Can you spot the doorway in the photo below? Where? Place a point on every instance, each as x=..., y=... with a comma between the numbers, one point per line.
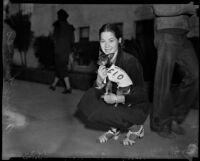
x=145, y=38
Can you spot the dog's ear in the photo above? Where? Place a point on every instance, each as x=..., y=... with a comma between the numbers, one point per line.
x=102, y=59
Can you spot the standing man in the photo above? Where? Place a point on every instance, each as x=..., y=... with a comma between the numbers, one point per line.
x=172, y=104
x=63, y=40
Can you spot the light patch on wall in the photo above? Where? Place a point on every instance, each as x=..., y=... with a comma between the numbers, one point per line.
x=84, y=33
x=27, y=8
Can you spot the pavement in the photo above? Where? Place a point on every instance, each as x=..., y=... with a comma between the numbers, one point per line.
x=51, y=130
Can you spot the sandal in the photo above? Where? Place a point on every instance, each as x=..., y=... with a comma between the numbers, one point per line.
x=132, y=136
x=108, y=135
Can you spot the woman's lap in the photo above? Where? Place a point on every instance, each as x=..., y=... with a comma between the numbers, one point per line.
x=96, y=110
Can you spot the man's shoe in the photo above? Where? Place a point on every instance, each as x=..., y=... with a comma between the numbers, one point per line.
x=166, y=133
x=67, y=91
x=177, y=129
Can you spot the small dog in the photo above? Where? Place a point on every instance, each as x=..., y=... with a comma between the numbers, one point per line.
x=117, y=75
x=121, y=78
x=105, y=61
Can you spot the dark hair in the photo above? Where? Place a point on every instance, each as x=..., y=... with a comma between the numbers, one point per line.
x=62, y=14
x=115, y=30
x=112, y=28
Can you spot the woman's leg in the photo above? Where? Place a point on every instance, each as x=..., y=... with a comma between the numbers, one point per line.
x=53, y=85
x=67, y=85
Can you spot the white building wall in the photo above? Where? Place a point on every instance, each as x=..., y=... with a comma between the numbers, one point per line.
x=41, y=19
x=92, y=15
x=80, y=15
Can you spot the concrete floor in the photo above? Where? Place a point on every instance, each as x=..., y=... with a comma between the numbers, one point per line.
x=53, y=131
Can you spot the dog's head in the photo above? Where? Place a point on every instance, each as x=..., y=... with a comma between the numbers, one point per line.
x=104, y=60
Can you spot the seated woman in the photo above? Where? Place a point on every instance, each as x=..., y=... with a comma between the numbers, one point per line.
x=132, y=109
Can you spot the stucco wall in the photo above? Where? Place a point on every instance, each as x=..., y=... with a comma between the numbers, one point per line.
x=92, y=15
x=41, y=19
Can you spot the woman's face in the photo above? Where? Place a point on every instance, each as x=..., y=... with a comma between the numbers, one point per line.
x=109, y=43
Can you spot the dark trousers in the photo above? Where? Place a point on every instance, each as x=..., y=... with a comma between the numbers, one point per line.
x=173, y=102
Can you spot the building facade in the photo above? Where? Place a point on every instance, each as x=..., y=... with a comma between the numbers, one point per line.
x=87, y=19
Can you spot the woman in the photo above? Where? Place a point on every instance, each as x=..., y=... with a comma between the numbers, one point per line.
x=132, y=109
x=63, y=36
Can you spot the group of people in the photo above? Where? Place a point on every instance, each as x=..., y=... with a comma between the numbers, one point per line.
x=171, y=103
x=125, y=107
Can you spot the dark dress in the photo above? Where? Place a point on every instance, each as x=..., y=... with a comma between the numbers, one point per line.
x=136, y=107
x=64, y=39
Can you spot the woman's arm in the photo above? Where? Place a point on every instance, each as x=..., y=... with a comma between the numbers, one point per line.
x=98, y=83
x=139, y=93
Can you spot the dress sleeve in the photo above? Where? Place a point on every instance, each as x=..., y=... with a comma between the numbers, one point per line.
x=139, y=93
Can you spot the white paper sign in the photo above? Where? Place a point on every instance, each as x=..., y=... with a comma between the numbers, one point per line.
x=119, y=76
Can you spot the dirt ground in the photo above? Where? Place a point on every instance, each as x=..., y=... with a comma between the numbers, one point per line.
x=51, y=130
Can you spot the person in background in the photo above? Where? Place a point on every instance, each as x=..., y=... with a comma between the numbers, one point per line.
x=132, y=108
x=171, y=104
x=63, y=36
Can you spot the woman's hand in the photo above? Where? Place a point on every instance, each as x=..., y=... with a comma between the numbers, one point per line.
x=112, y=98
x=101, y=74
